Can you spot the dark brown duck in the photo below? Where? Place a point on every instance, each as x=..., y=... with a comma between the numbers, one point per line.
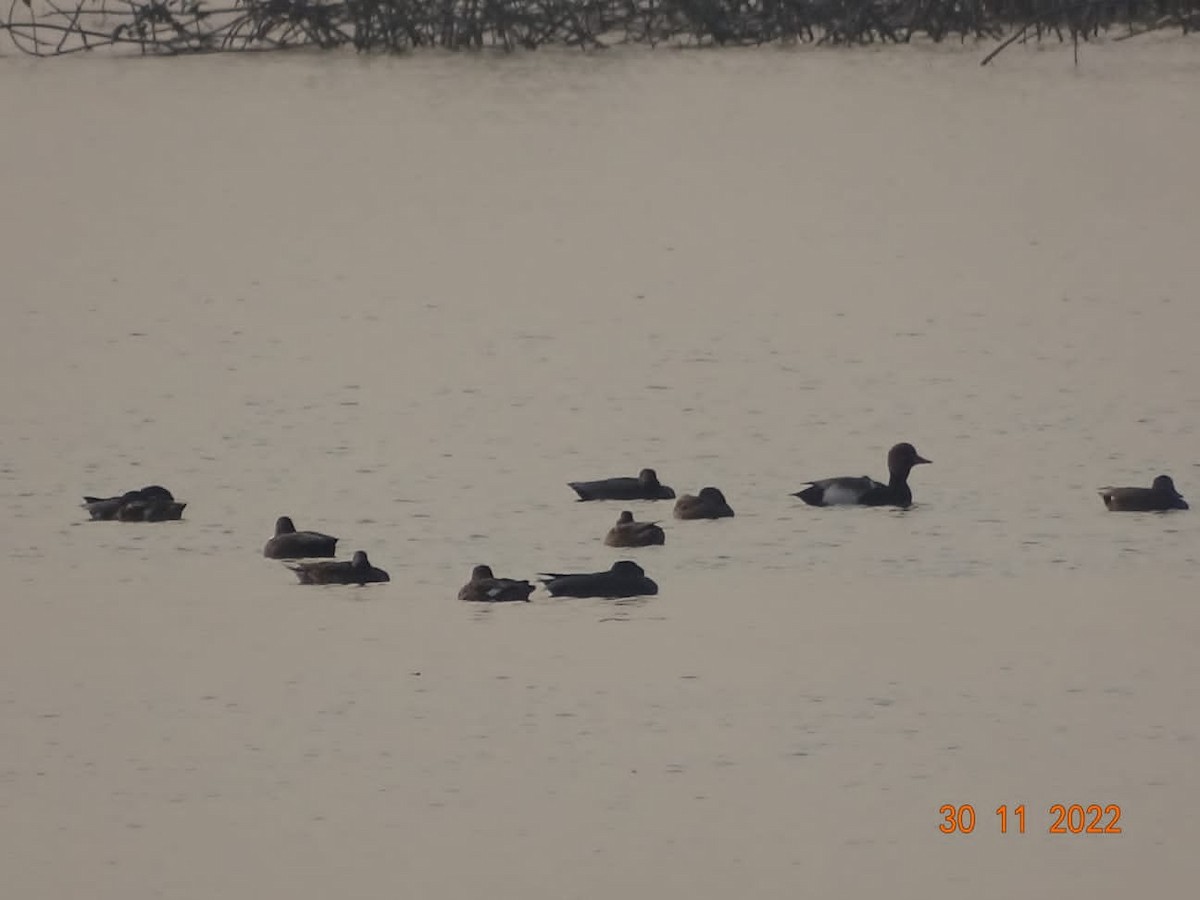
x=289, y=543
x=485, y=587
x=153, y=503
x=629, y=533
x=625, y=579
x=645, y=487
x=357, y=571
x=1161, y=495
x=708, y=504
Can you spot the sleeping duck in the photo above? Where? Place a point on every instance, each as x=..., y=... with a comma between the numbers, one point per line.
x=644, y=487
x=289, y=543
x=358, y=571
x=628, y=533
x=484, y=587
x=708, y=504
x=625, y=579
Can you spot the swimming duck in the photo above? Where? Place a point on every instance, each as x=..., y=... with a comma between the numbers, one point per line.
x=628, y=533
x=484, y=587
x=625, y=579
x=644, y=487
x=865, y=491
x=1161, y=495
x=358, y=571
x=152, y=503
x=289, y=543
x=708, y=504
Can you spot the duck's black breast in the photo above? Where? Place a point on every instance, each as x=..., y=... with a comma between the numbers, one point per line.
x=887, y=495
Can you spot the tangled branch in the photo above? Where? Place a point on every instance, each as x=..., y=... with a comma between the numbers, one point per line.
x=167, y=27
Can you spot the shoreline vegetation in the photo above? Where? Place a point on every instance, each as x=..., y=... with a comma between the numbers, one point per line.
x=50, y=28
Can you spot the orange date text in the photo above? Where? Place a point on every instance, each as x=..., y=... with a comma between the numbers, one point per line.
x=1074, y=818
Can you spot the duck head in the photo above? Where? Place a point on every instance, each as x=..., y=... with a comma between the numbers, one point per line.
x=903, y=457
x=648, y=478
x=1165, y=485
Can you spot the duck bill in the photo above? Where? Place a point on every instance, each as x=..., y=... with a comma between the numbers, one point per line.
x=921, y=460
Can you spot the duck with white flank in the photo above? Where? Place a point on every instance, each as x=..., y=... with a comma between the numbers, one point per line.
x=865, y=491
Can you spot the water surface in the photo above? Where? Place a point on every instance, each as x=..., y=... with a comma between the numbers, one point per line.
x=405, y=300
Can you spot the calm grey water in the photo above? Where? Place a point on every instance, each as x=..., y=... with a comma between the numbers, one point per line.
x=406, y=300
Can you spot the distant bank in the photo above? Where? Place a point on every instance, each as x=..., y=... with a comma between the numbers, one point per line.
x=171, y=27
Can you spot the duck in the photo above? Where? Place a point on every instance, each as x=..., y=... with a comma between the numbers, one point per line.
x=153, y=503
x=644, y=487
x=866, y=491
x=357, y=571
x=625, y=579
x=484, y=587
x=708, y=504
x=1161, y=495
x=628, y=533
x=289, y=543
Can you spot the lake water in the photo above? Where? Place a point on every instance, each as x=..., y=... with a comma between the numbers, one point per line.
x=405, y=300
